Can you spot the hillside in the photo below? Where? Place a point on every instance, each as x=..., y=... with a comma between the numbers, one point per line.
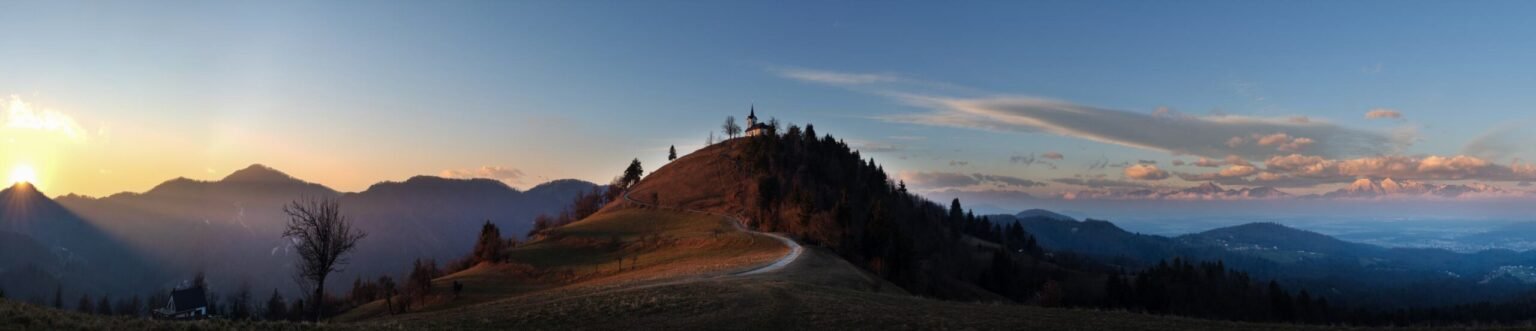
x=231, y=228
x=571, y=278
x=617, y=247
x=45, y=244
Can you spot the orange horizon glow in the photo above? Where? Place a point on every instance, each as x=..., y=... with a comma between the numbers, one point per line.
x=23, y=173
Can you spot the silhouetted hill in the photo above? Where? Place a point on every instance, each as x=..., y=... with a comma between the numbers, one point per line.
x=257, y=173
x=1100, y=239
x=1032, y=213
x=44, y=244
x=825, y=193
x=1276, y=237
x=231, y=228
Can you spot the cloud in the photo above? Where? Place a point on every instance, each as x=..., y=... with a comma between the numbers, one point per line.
x=1426, y=167
x=509, y=176
x=955, y=163
x=1177, y=163
x=1166, y=131
x=1102, y=183
x=1235, y=171
x=876, y=147
x=1145, y=172
x=837, y=78
x=1502, y=141
x=1030, y=160
x=21, y=116
x=1099, y=164
x=1383, y=113
x=1053, y=155
x=973, y=181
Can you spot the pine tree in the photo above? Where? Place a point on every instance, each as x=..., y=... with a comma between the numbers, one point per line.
x=489, y=247
x=672, y=153
x=632, y=175
x=956, y=214
x=104, y=307
x=277, y=308
x=58, y=297
x=85, y=305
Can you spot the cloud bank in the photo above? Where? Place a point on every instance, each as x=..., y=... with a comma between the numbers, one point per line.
x=510, y=176
x=1206, y=136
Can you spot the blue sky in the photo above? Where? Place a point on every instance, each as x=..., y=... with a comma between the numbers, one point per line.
x=351, y=93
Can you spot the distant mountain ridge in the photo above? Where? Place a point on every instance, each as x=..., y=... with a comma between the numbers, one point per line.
x=1205, y=191
x=44, y=242
x=1386, y=187
x=231, y=228
x=1276, y=251
x=1360, y=188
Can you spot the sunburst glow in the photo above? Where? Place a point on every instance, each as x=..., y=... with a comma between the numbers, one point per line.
x=23, y=173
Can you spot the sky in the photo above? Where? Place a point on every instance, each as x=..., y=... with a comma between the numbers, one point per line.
x=995, y=100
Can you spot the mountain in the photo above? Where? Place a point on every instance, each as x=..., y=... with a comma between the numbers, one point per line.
x=1095, y=238
x=43, y=243
x=1386, y=187
x=1273, y=237
x=1205, y=191
x=1033, y=213
x=231, y=228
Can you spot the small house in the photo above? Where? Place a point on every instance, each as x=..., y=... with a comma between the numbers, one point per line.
x=186, y=304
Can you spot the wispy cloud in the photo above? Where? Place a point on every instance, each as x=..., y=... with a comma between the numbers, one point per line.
x=1209, y=136
x=510, y=176
x=933, y=181
x=838, y=78
x=1383, y=113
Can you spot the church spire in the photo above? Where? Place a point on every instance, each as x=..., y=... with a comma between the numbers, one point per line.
x=753, y=112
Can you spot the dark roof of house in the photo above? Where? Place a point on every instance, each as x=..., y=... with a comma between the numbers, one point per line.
x=757, y=126
x=190, y=298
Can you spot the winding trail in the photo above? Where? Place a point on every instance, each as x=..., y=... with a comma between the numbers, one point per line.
x=794, y=248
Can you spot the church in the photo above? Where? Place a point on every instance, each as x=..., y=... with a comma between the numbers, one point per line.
x=755, y=128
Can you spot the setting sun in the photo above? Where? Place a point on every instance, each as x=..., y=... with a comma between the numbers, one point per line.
x=23, y=173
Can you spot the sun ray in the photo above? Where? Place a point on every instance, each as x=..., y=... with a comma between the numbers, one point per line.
x=23, y=173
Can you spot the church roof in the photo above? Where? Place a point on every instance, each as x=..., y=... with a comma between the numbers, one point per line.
x=753, y=113
x=187, y=299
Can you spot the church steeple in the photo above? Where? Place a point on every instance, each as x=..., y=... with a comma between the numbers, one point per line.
x=752, y=116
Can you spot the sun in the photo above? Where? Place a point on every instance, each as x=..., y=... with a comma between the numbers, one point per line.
x=23, y=173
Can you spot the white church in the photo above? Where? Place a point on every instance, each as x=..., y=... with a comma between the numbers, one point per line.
x=754, y=127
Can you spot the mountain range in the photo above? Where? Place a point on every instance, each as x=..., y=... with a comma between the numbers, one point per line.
x=231, y=228
x=1206, y=191
x=1360, y=188
x=1298, y=257
x=1367, y=188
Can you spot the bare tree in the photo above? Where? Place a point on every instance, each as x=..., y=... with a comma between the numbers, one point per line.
x=387, y=285
x=711, y=140
x=322, y=236
x=730, y=127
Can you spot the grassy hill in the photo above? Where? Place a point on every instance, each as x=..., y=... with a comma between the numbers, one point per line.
x=616, y=247
x=20, y=316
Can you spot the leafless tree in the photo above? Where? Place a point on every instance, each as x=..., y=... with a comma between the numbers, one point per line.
x=730, y=127
x=322, y=236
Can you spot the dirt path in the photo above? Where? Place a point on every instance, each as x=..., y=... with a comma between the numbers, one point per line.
x=794, y=248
